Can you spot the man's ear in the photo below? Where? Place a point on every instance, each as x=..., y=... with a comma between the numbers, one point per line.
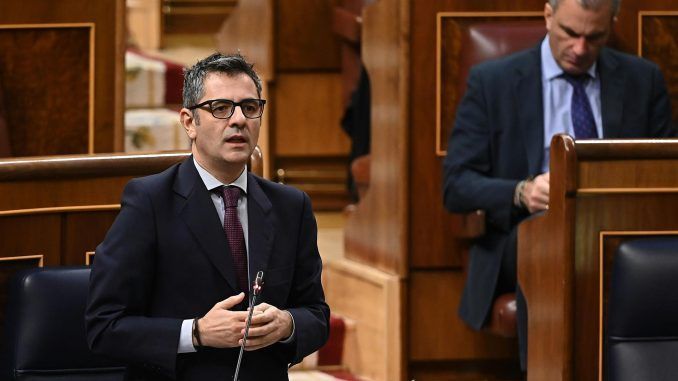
x=548, y=15
x=188, y=122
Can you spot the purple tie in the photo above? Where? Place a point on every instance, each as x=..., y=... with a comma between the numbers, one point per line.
x=582, y=116
x=235, y=235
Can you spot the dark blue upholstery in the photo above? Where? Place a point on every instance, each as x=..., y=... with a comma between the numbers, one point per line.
x=642, y=328
x=45, y=328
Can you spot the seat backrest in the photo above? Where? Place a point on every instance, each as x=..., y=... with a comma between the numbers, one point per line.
x=45, y=328
x=642, y=329
x=486, y=41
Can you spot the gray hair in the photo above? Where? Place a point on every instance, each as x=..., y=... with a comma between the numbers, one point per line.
x=231, y=65
x=591, y=4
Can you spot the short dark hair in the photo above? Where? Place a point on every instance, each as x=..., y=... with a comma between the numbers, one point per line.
x=591, y=4
x=231, y=65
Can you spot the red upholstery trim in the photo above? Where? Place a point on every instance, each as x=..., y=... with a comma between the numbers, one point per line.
x=332, y=352
x=174, y=77
x=343, y=375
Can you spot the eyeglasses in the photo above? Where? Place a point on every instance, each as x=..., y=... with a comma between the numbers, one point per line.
x=224, y=108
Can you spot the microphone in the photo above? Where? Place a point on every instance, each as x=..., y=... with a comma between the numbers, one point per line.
x=256, y=290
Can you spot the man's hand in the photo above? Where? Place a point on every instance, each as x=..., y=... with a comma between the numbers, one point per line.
x=220, y=327
x=269, y=325
x=535, y=194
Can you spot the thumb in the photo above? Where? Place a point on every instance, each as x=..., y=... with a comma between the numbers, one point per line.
x=228, y=303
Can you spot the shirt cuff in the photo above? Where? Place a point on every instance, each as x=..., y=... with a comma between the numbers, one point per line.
x=289, y=339
x=186, y=337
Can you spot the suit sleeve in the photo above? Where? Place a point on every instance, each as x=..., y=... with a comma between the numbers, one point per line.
x=468, y=183
x=120, y=289
x=307, y=300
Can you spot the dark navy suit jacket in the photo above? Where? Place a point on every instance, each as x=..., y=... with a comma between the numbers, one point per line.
x=166, y=259
x=497, y=141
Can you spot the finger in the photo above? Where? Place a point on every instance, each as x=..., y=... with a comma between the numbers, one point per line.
x=541, y=198
x=262, y=307
x=228, y=303
x=255, y=347
x=258, y=343
x=262, y=318
x=260, y=331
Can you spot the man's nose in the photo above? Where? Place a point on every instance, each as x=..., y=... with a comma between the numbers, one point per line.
x=238, y=118
x=581, y=46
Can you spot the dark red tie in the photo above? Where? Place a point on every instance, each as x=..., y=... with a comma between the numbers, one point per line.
x=235, y=235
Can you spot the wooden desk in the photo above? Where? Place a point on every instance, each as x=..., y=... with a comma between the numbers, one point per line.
x=602, y=192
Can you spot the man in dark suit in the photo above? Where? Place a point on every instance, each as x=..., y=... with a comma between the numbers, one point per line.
x=497, y=156
x=170, y=283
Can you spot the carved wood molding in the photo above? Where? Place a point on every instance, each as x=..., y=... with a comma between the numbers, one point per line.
x=36, y=257
x=89, y=258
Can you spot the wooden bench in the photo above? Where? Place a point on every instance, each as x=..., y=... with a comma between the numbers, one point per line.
x=602, y=192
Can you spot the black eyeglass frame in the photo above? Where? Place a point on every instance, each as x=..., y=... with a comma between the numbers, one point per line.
x=209, y=102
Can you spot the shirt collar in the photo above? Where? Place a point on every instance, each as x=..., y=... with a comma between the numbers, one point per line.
x=211, y=182
x=550, y=68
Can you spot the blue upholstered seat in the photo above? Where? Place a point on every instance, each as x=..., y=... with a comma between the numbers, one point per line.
x=44, y=335
x=642, y=329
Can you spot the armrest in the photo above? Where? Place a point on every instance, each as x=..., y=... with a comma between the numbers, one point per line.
x=469, y=225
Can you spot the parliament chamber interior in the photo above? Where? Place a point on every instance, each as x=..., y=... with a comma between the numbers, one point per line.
x=361, y=96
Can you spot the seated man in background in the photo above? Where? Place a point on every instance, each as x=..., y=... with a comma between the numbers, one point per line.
x=171, y=281
x=498, y=152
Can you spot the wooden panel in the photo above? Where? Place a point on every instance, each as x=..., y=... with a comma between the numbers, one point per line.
x=63, y=181
x=427, y=341
x=105, y=89
x=32, y=194
x=250, y=30
x=42, y=118
x=488, y=370
x=145, y=23
x=83, y=231
x=659, y=43
x=626, y=30
x=32, y=235
x=314, y=99
x=627, y=174
x=305, y=41
x=322, y=178
x=195, y=16
x=372, y=299
x=376, y=232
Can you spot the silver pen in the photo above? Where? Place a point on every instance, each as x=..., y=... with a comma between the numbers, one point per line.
x=256, y=290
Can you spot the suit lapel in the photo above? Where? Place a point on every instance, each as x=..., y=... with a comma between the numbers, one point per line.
x=261, y=227
x=530, y=106
x=611, y=94
x=202, y=219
